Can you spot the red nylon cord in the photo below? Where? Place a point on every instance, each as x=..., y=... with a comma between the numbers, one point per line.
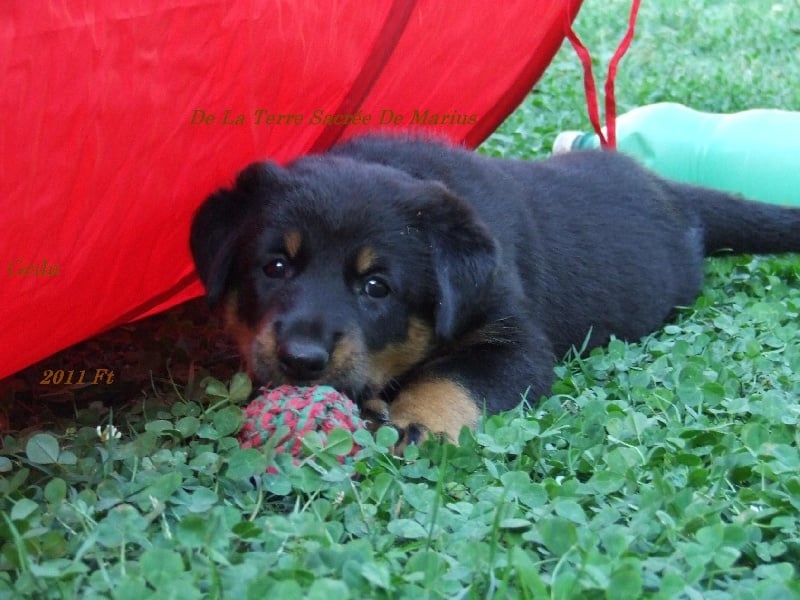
x=590, y=89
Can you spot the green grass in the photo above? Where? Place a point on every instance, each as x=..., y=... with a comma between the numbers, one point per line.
x=663, y=469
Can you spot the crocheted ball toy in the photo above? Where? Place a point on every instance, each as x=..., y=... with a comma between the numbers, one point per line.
x=300, y=409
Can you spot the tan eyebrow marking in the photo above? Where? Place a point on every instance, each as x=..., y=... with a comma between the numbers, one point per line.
x=292, y=240
x=365, y=260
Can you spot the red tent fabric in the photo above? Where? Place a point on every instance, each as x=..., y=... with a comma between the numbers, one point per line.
x=118, y=118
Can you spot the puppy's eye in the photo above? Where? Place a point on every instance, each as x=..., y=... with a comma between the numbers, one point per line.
x=278, y=269
x=375, y=287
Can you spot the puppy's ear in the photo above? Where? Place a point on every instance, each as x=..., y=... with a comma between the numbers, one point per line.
x=465, y=258
x=221, y=221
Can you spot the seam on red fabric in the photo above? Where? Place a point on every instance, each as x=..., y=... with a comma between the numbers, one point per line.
x=385, y=44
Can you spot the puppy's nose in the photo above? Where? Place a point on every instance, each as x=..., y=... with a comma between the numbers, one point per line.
x=302, y=360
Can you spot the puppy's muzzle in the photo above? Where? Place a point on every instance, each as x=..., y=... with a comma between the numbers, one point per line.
x=304, y=346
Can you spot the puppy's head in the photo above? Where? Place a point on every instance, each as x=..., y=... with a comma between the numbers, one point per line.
x=333, y=271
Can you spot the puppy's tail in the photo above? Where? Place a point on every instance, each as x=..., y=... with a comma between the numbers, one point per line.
x=743, y=226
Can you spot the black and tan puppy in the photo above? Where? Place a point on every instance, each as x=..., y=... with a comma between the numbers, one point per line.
x=430, y=284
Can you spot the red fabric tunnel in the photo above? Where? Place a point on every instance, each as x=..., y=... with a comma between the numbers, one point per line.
x=118, y=118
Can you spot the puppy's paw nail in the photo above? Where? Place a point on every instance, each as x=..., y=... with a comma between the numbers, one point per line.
x=416, y=433
x=376, y=414
x=413, y=433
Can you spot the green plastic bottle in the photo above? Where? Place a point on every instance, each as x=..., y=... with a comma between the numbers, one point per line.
x=755, y=153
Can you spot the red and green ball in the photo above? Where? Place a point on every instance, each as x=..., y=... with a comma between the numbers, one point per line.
x=299, y=410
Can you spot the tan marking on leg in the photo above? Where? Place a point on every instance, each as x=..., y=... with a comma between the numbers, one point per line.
x=440, y=405
x=365, y=260
x=397, y=359
x=292, y=240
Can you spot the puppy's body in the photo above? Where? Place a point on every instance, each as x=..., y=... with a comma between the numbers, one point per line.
x=439, y=283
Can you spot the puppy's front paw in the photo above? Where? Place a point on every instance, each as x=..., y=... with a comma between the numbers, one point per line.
x=438, y=407
x=376, y=414
x=413, y=433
